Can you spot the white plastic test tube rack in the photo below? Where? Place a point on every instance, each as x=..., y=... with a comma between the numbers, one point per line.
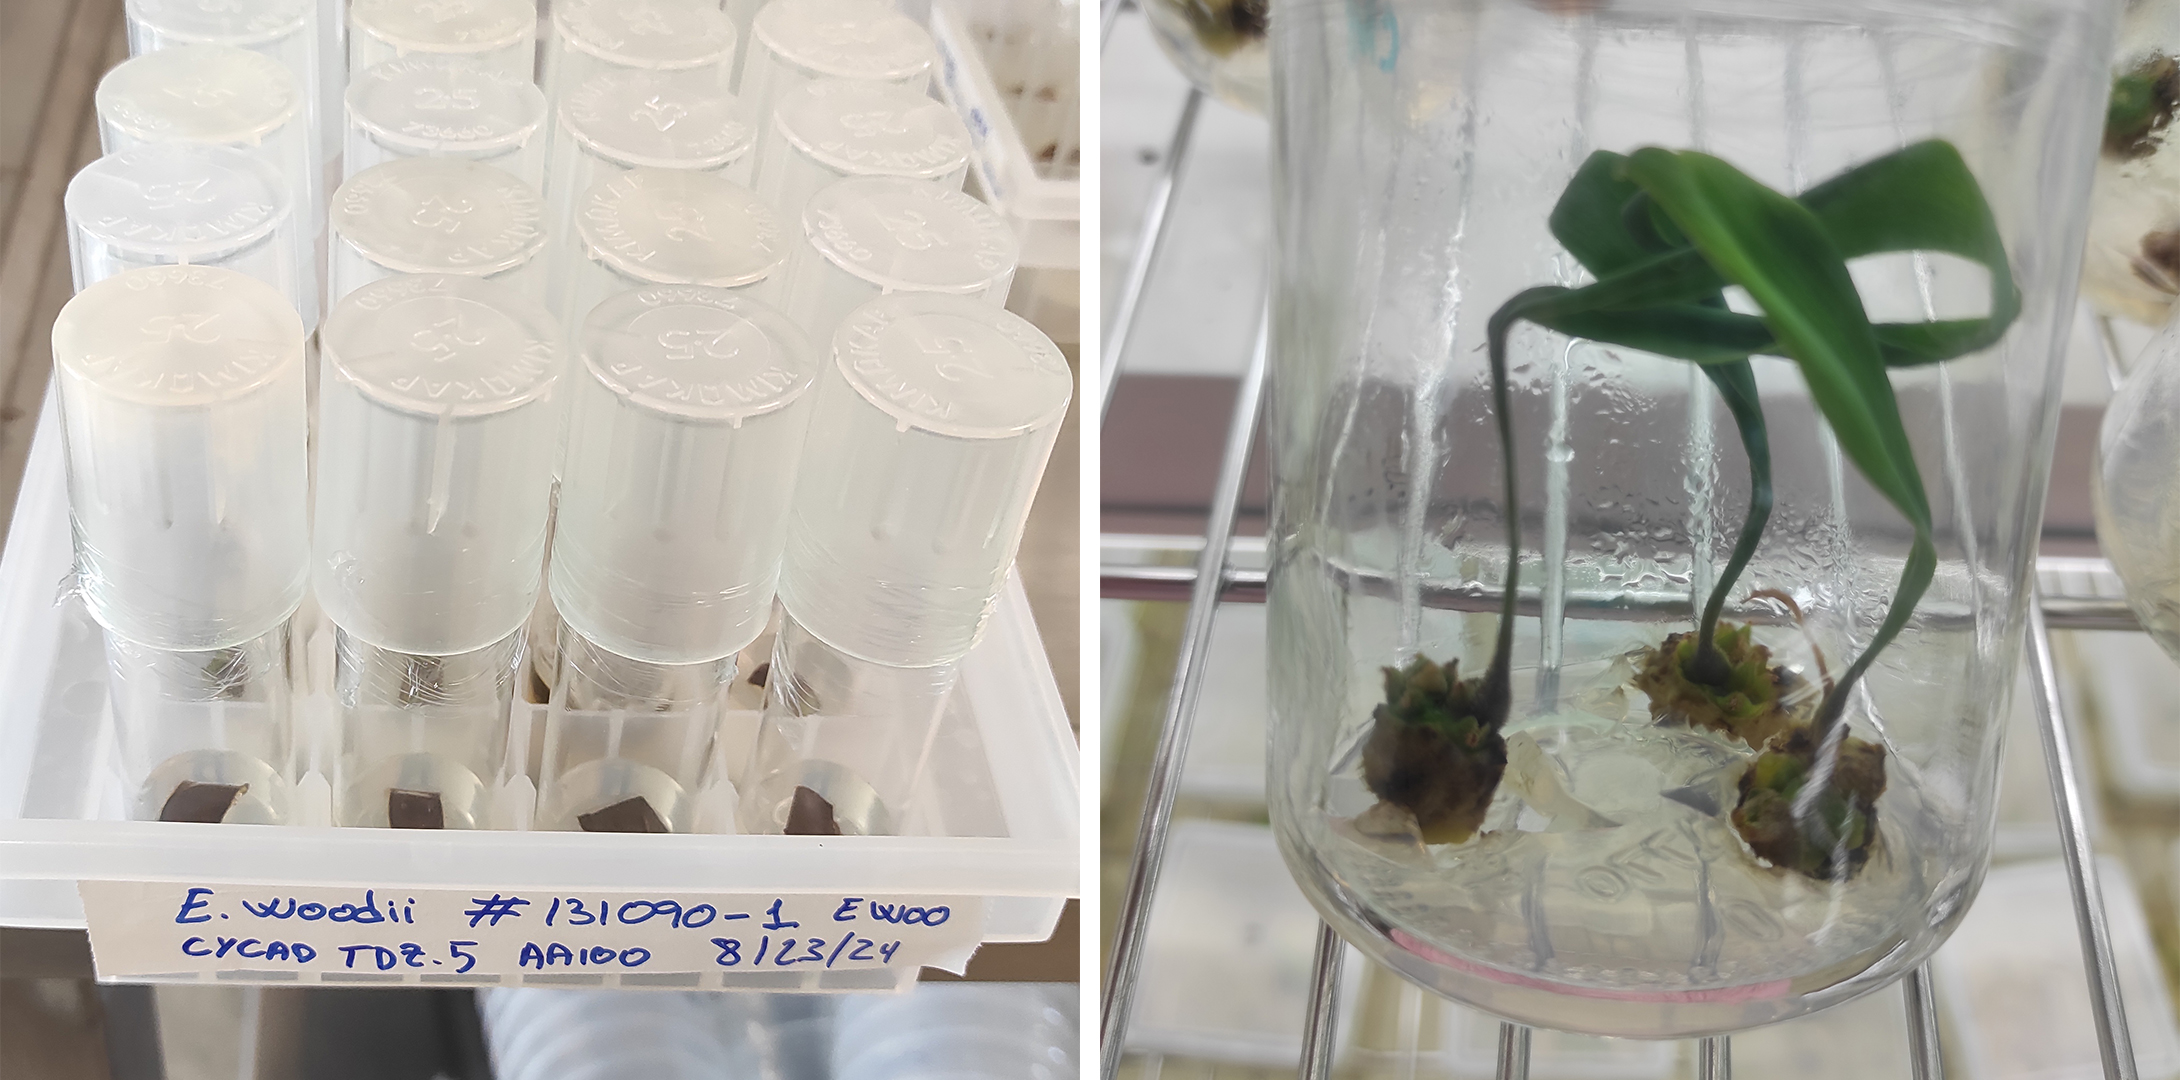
x=182, y=391
x=449, y=107
x=687, y=420
x=932, y=427
x=436, y=430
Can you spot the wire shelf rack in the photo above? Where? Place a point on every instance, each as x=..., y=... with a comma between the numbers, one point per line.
x=2072, y=593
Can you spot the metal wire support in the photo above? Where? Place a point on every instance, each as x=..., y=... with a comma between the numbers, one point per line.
x=1147, y=243
x=1513, y=1052
x=1188, y=677
x=2081, y=866
x=1714, y=1058
x=1324, y=1013
x=1924, y=1059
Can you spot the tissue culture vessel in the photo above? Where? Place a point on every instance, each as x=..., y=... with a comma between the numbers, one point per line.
x=1601, y=880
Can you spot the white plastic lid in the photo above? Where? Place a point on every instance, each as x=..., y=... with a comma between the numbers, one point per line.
x=441, y=345
x=425, y=215
x=674, y=227
x=687, y=422
x=199, y=93
x=450, y=26
x=226, y=22
x=953, y=366
x=182, y=202
x=857, y=128
x=692, y=352
x=909, y=234
x=849, y=39
x=181, y=388
x=646, y=33
x=657, y=119
x=432, y=104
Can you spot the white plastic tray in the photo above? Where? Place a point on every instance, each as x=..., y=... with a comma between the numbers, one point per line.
x=1002, y=784
x=1045, y=213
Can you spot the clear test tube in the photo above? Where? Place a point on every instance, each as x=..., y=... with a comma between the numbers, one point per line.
x=284, y=30
x=435, y=439
x=741, y=13
x=688, y=410
x=670, y=227
x=449, y=107
x=218, y=95
x=932, y=427
x=591, y=37
x=437, y=216
x=833, y=129
x=797, y=41
x=500, y=35
x=183, y=204
x=621, y=120
x=181, y=401
x=871, y=236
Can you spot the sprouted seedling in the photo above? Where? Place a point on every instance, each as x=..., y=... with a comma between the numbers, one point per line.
x=1665, y=233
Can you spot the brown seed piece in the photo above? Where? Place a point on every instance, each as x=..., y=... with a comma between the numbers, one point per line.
x=632, y=814
x=206, y=803
x=414, y=809
x=811, y=815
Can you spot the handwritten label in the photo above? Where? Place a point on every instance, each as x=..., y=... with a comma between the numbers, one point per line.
x=154, y=930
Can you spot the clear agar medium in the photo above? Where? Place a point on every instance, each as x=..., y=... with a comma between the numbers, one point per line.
x=436, y=216
x=445, y=106
x=688, y=410
x=932, y=429
x=182, y=388
x=182, y=203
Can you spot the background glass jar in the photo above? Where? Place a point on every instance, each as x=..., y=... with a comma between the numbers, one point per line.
x=1421, y=148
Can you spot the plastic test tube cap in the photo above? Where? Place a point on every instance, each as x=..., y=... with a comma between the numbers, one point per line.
x=181, y=395
x=930, y=435
x=835, y=128
x=436, y=216
x=650, y=35
x=215, y=94
x=435, y=447
x=672, y=227
x=500, y=34
x=689, y=409
x=795, y=41
x=657, y=119
x=182, y=204
x=869, y=236
x=445, y=106
x=283, y=30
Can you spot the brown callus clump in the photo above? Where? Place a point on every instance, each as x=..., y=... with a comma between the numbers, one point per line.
x=1833, y=839
x=1430, y=754
x=2141, y=107
x=1747, y=703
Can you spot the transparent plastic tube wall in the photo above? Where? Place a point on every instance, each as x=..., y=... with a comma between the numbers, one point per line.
x=631, y=318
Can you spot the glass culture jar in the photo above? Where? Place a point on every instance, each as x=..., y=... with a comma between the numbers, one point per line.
x=1604, y=885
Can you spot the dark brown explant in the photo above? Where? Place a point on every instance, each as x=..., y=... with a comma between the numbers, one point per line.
x=1226, y=25
x=414, y=809
x=758, y=674
x=811, y=815
x=1429, y=754
x=2159, y=264
x=1832, y=839
x=206, y=803
x=632, y=814
x=1746, y=703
